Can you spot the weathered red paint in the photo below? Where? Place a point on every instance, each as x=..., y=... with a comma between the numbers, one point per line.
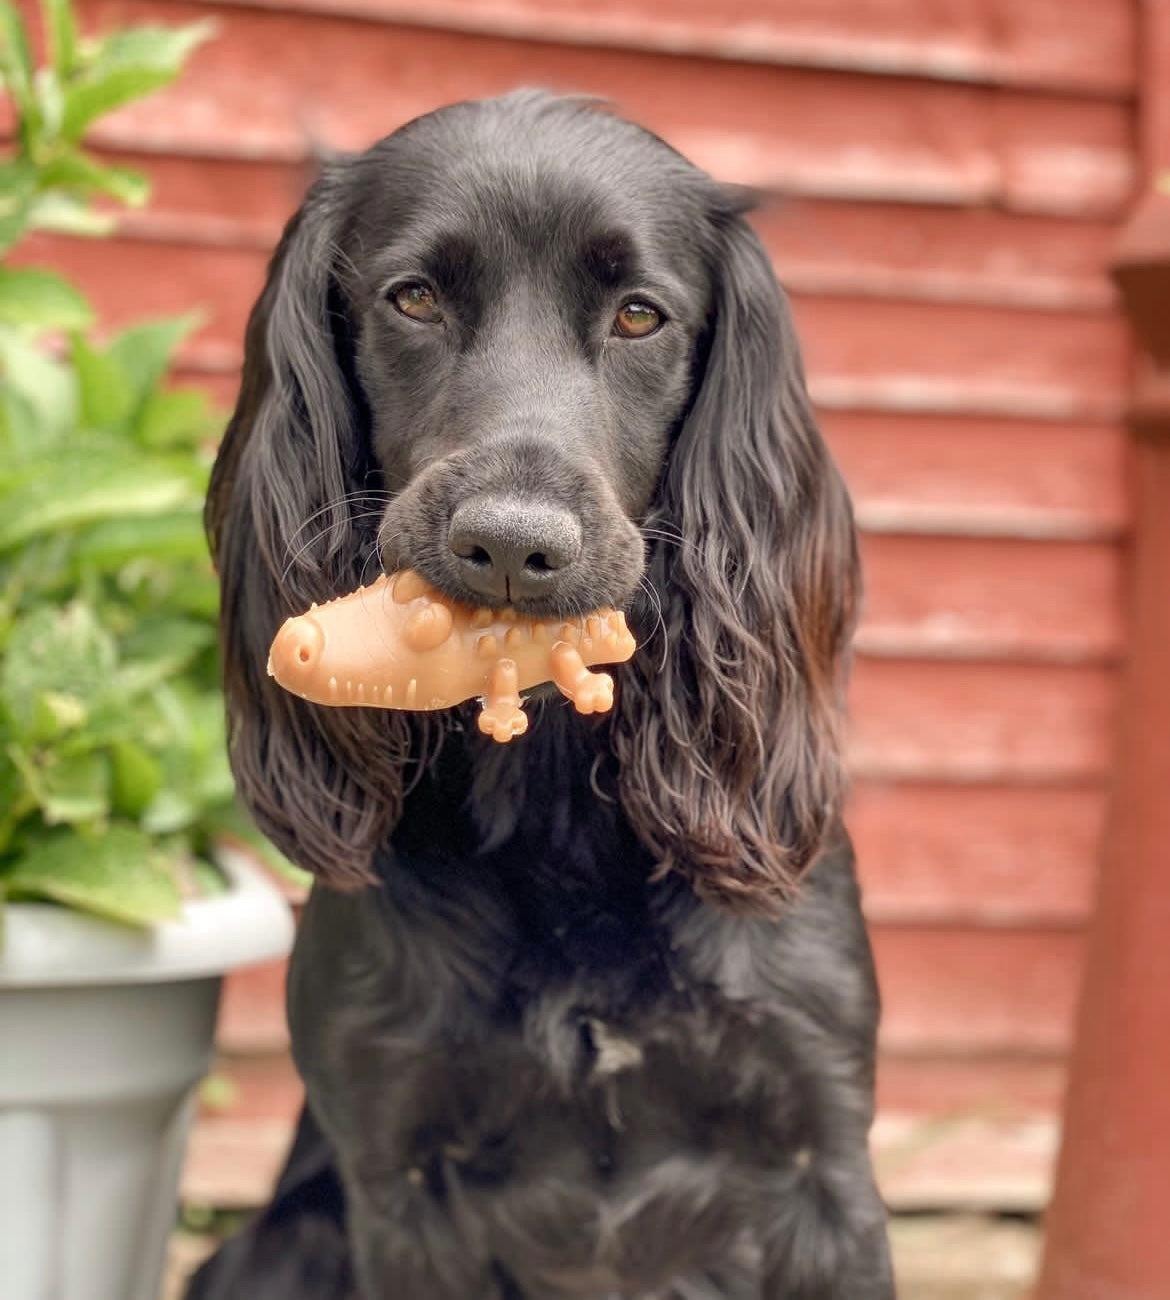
x=938, y=254
x=933, y=853
x=963, y=721
x=223, y=201
x=1107, y=1227
x=976, y=992
x=929, y=474
x=1056, y=44
x=1108, y=1224
x=1006, y=1088
x=907, y=356
x=268, y=89
x=251, y=1014
x=975, y=598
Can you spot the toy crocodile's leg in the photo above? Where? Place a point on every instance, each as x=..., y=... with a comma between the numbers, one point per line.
x=502, y=717
x=590, y=692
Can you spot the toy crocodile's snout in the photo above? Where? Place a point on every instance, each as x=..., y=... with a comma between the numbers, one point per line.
x=297, y=650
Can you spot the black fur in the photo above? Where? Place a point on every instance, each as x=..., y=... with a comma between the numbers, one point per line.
x=592, y=1014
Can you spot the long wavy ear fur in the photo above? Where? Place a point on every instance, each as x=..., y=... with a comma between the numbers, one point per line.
x=289, y=520
x=729, y=748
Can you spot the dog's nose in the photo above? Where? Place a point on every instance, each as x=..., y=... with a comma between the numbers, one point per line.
x=512, y=550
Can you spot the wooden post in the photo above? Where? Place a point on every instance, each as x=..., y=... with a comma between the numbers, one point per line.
x=1109, y=1225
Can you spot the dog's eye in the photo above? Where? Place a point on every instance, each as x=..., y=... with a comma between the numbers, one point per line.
x=417, y=300
x=636, y=320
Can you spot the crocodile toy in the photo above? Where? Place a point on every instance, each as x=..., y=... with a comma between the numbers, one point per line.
x=401, y=644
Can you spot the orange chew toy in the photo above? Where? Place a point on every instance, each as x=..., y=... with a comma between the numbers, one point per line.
x=400, y=644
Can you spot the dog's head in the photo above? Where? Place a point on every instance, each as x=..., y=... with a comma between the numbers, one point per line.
x=527, y=349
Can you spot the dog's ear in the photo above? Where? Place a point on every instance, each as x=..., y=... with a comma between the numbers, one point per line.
x=729, y=740
x=292, y=518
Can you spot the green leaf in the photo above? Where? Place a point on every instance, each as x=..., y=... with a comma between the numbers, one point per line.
x=145, y=352
x=120, y=875
x=169, y=811
x=54, y=651
x=209, y=880
x=16, y=803
x=66, y=214
x=177, y=417
x=74, y=788
x=33, y=297
x=196, y=592
x=13, y=223
x=51, y=717
x=46, y=390
x=81, y=172
x=50, y=99
x=16, y=65
x=128, y=65
x=17, y=176
x=61, y=712
x=68, y=492
x=163, y=636
x=18, y=183
x=21, y=430
x=146, y=45
x=104, y=389
x=175, y=535
x=137, y=778
x=133, y=680
x=62, y=35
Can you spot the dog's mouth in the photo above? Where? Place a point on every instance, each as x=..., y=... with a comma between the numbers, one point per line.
x=605, y=575
x=563, y=603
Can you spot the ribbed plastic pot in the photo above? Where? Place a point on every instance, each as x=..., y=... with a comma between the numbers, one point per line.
x=105, y=1032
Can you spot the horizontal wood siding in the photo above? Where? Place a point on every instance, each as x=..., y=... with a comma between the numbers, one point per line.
x=940, y=187
x=1077, y=45
x=269, y=88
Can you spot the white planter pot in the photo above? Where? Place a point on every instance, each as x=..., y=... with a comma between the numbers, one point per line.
x=105, y=1032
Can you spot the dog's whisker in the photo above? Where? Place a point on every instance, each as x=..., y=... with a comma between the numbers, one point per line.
x=349, y=498
x=294, y=559
x=655, y=601
x=656, y=533
x=375, y=556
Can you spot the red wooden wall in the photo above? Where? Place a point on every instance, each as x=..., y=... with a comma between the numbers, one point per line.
x=951, y=174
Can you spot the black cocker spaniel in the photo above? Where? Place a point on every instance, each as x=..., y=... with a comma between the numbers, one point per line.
x=589, y=1015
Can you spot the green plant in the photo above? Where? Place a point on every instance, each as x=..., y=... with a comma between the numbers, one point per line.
x=113, y=776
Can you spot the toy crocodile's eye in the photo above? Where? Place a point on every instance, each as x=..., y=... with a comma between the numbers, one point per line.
x=417, y=300
x=637, y=320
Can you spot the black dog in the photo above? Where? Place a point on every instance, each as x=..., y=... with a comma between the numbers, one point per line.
x=570, y=1022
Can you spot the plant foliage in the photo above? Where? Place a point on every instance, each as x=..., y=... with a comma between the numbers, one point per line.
x=113, y=774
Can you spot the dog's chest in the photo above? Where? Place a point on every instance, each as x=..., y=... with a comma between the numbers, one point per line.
x=598, y=1076
x=547, y=1068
